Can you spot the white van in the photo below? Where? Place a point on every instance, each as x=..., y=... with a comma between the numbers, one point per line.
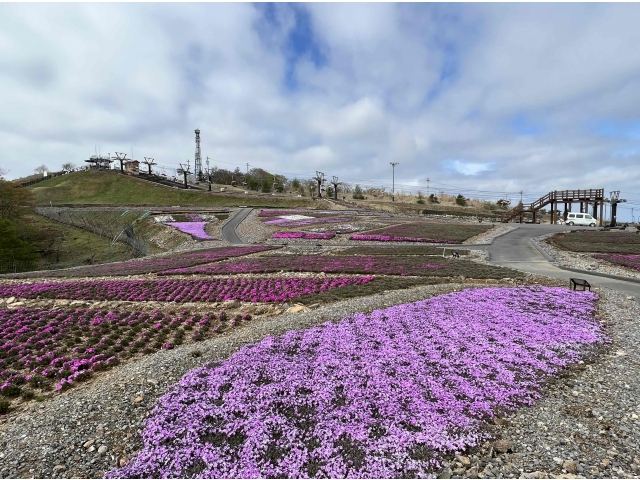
x=580, y=219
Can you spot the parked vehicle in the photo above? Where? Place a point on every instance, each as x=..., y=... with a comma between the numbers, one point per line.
x=580, y=219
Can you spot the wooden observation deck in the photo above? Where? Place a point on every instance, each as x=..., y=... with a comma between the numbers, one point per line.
x=590, y=197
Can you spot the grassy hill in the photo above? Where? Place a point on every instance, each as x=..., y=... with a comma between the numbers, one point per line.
x=103, y=187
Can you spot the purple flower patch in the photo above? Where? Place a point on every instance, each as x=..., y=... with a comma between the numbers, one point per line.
x=305, y=235
x=388, y=238
x=180, y=291
x=629, y=261
x=382, y=395
x=195, y=229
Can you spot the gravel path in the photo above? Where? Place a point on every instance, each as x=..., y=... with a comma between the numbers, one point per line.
x=589, y=418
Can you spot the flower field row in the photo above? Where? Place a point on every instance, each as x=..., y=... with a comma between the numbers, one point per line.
x=283, y=222
x=629, y=261
x=149, y=265
x=313, y=263
x=598, y=241
x=39, y=347
x=384, y=395
x=195, y=229
x=426, y=232
x=282, y=213
x=305, y=235
x=205, y=290
x=387, y=238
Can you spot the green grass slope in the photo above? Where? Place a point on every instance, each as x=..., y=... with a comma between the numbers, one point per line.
x=100, y=187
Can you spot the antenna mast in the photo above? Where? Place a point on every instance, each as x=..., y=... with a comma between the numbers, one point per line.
x=198, y=160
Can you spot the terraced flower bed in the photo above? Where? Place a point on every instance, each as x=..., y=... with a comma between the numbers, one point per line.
x=201, y=290
x=424, y=232
x=399, y=250
x=387, y=238
x=195, y=229
x=305, y=235
x=284, y=222
x=598, y=241
x=628, y=261
x=384, y=395
x=40, y=349
x=282, y=213
x=364, y=264
x=150, y=265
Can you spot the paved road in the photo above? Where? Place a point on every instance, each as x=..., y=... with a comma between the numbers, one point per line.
x=515, y=250
x=228, y=231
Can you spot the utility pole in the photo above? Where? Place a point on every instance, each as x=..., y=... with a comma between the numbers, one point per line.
x=149, y=161
x=184, y=172
x=320, y=179
x=393, y=185
x=520, y=196
x=247, y=169
x=335, y=184
x=427, y=187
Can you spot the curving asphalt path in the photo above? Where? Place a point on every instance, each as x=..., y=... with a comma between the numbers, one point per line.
x=515, y=250
x=228, y=231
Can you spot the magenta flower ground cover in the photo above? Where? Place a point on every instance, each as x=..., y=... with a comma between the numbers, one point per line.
x=387, y=238
x=366, y=264
x=281, y=213
x=150, y=265
x=39, y=347
x=383, y=395
x=629, y=261
x=283, y=222
x=202, y=290
x=306, y=235
x=195, y=229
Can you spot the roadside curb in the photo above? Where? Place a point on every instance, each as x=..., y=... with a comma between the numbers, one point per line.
x=548, y=257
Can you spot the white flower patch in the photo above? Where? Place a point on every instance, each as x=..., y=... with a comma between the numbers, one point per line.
x=163, y=218
x=295, y=217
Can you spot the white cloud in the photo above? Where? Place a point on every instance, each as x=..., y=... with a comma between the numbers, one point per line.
x=417, y=84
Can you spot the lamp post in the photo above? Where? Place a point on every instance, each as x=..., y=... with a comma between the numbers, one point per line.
x=393, y=185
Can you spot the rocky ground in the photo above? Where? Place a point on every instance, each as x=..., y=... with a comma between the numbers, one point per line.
x=582, y=261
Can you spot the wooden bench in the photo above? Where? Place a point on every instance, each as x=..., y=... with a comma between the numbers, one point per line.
x=579, y=281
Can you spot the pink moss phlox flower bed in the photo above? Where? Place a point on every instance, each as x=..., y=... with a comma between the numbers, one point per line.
x=48, y=346
x=383, y=395
x=204, y=290
x=195, y=229
x=149, y=265
x=388, y=238
x=367, y=264
x=283, y=222
x=305, y=235
x=280, y=213
x=629, y=261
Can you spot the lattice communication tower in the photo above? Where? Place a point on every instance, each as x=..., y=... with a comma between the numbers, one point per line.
x=198, y=161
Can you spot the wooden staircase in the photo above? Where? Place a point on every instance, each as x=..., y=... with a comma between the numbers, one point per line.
x=587, y=196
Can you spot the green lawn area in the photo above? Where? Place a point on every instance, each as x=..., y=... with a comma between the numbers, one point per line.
x=595, y=241
x=70, y=246
x=111, y=188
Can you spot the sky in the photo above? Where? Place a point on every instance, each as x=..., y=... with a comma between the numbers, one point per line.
x=486, y=100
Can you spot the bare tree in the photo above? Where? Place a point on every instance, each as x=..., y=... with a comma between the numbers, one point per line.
x=41, y=169
x=68, y=167
x=3, y=172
